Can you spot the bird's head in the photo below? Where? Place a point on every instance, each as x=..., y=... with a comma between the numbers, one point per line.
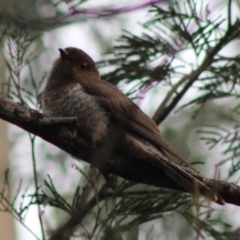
x=74, y=64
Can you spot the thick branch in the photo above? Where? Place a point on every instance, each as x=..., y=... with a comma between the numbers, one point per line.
x=136, y=171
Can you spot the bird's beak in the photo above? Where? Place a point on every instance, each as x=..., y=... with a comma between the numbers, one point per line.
x=63, y=53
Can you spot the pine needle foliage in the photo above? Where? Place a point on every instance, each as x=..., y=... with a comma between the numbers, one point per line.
x=183, y=46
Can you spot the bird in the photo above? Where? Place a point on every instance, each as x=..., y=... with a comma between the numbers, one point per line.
x=110, y=120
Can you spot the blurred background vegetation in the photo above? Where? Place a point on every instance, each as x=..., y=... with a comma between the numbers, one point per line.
x=178, y=60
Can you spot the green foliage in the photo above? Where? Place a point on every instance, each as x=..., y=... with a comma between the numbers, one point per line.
x=156, y=56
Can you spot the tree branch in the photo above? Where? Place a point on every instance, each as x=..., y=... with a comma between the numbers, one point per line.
x=188, y=80
x=74, y=15
x=32, y=121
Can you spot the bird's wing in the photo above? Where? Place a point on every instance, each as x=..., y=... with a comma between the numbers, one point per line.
x=133, y=119
x=128, y=114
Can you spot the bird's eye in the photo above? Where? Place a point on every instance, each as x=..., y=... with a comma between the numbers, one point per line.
x=84, y=66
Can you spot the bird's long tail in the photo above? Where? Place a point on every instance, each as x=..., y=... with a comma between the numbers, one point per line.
x=184, y=178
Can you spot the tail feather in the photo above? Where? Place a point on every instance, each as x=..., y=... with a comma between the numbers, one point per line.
x=185, y=178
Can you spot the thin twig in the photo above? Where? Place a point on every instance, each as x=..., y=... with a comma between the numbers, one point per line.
x=35, y=175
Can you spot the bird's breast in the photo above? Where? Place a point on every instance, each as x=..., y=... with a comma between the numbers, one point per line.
x=73, y=101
